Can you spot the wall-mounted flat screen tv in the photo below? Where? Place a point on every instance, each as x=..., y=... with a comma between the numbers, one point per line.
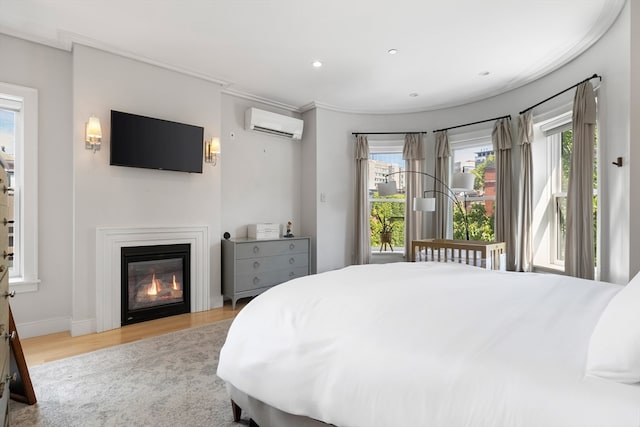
x=145, y=142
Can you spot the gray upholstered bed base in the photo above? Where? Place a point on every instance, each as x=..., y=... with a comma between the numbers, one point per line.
x=268, y=416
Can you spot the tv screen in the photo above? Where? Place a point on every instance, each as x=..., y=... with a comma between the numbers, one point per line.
x=145, y=142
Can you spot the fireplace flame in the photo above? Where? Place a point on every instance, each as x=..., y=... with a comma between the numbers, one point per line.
x=175, y=286
x=154, y=287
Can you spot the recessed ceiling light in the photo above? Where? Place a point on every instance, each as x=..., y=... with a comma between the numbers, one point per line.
x=413, y=94
x=483, y=73
x=317, y=64
x=392, y=51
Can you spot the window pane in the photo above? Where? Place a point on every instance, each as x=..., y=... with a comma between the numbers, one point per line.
x=387, y=212
x=7, y=150
x=565, y=155
x=477, y=205
x=561, y=226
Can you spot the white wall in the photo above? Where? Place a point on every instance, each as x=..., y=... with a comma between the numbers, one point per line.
x=113, y=196
x=49, y=72
x=260, y=172
x=634, y=147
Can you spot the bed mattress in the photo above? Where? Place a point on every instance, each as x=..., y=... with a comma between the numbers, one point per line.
x=428, y=344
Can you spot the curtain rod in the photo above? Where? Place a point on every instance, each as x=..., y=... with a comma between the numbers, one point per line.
x=560, y=93
x=508, y=116
x=387, y=133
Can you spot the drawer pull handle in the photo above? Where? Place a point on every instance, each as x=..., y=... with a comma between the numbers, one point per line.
x=6, y=254
x=292, y=260
x=256, y=249
x=7, y=221
x=256, y=264
x=256, y=280
x=291, y=246
x=10, y=294
x=10, y=336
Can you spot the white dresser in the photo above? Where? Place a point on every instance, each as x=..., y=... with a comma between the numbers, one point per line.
x=251, y=266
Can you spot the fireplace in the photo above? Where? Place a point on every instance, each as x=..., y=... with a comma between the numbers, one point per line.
x=155, y=282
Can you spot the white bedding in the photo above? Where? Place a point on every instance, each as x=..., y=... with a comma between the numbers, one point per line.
x=428, y=344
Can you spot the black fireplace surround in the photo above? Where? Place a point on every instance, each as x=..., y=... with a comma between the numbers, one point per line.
x=155, y=282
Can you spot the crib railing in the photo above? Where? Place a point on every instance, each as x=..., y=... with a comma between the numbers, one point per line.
x=489, y=255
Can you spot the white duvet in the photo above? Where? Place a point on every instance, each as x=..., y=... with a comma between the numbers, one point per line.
x=428, y=344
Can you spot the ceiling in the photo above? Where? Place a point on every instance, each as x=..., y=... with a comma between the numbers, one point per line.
x=449, y=52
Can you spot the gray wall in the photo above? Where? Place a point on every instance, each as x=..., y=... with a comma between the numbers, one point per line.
x=49, y=71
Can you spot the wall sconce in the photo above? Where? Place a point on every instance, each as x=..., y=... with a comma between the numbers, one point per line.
x=211, y=151
x=93, y=134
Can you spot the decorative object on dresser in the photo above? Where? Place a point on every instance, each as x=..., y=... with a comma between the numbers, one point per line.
x=289, y=233
x=251, y=266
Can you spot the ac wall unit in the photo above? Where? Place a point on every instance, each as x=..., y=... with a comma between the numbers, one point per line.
x=273, y=123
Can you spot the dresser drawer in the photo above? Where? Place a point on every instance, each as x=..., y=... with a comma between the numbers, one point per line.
x=264, y=264
x=271, y=248
x=250, y=281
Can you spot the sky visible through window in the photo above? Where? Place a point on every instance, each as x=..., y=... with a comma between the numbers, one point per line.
x=391, y=158
x=7, y=129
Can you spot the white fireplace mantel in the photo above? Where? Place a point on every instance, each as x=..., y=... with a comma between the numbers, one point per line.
x=110, y=241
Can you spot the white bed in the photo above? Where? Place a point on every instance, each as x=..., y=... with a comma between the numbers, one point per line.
x=426, y=344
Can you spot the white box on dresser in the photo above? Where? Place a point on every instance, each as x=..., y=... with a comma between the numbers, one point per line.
x=251, y=266
x=263, y=231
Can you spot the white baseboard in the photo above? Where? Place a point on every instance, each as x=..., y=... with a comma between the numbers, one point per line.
x=216, y=301
x=83, y=327
x=43, y=327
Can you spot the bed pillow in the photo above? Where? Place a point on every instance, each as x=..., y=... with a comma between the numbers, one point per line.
x=614, y=348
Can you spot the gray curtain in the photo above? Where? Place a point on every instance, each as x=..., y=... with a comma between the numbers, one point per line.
x=524, y=247
x=505, y=229
x=579, y=252
x=443, y=213
x=362, y=228
x=413, y=154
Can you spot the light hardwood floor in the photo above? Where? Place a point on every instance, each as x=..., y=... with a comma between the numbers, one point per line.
x=47, y=348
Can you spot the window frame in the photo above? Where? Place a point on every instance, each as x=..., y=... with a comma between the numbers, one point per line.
x=26, y=188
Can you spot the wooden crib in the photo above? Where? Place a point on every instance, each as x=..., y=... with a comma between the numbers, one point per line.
x=489, y=255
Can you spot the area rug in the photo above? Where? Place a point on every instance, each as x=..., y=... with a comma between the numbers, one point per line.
x=169, y=380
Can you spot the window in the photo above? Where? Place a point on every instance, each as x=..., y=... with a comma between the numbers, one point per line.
x=561, y=144
x=556, y=144
x=18, y=149
x=476, y=158
x=387, y=212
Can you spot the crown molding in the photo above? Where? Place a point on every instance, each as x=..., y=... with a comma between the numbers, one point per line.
x=34, y=38
x=71, y=39
x=252, y=97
